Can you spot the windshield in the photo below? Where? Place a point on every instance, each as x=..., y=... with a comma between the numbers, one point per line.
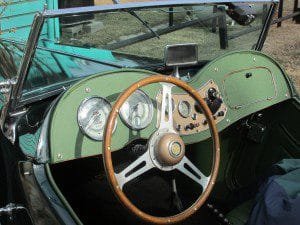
x=76, y=46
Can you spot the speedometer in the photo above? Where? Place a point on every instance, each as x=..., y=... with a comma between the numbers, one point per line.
x=92, y=116
x=137, y=111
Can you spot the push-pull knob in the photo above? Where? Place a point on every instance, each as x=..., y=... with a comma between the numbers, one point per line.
x=212, y=94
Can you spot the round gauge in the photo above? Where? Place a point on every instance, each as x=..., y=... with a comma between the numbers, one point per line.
x=137, y=111
x=92, y=116
x=184, y=108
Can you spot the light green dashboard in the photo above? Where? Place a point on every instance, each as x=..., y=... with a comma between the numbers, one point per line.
x=247, y=81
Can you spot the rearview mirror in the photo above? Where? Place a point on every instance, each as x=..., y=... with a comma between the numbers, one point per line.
x=181, y=55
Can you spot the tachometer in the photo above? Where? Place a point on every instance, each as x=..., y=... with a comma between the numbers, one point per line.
x=92, y=116
x=137, y=111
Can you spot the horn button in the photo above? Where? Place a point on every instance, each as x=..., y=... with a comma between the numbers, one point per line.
x=167, y=150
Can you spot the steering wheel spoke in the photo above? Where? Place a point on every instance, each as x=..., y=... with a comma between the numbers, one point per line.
x=166, y=112
x=189, y=169
x=134, y=170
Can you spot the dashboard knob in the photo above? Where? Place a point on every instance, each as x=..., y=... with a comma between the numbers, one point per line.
x=221, y=113
x=194, y=116
x=212, y=94
x=178, y=127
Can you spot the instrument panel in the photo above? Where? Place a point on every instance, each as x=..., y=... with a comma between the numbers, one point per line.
x=187, y=114
x=223, y=84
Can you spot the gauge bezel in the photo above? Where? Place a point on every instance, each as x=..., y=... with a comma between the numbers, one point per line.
x=151, y=111
x=190, y=108
x=81, y=106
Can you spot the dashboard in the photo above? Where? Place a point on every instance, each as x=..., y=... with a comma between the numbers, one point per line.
x=231, y=90
x=187, y=114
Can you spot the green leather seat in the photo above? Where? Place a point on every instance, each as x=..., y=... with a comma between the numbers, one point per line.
x=240, y=214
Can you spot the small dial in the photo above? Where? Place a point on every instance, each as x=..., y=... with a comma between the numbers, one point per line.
x=184, y=108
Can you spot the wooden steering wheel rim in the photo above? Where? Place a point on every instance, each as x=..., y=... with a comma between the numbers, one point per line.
x=107, y=159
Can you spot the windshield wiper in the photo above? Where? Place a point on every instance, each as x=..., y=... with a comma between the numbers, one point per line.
x=145, y=23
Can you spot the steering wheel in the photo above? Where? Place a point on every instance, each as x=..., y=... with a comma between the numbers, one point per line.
x=165, y=150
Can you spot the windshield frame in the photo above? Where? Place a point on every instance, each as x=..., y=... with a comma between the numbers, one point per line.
x=39, y=19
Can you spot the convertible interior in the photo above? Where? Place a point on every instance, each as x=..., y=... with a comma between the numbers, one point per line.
x=257, y=123
x=139, y=145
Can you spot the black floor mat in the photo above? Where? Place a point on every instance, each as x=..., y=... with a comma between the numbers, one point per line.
x=94, y=203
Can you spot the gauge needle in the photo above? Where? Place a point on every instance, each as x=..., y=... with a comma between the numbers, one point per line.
x=135, y=108
x=92, y=120
x=132, y=110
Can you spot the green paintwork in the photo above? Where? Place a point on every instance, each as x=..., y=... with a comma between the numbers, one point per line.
x=66, y=138
x=67, y=142
x=237, y=82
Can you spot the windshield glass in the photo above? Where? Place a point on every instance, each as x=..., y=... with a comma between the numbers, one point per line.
x=76, y=46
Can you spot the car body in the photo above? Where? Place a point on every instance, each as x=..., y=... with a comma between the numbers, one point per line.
x=59, y=87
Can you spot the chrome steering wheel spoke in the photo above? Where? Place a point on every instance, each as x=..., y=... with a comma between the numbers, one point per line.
x=134, y=170
x=166, y=112
x=189, y=169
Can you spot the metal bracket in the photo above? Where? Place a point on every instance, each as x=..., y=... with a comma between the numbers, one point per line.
x=9, y=208
x=9, y=126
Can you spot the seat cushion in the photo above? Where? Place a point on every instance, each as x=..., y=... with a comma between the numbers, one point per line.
x=277, y=201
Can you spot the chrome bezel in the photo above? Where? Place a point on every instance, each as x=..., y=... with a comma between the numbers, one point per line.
x=180, y=112
x=81, y=106
x=151, y=112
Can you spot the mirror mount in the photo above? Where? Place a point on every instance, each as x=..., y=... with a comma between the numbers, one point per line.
x=180, y=55
x=242, y=13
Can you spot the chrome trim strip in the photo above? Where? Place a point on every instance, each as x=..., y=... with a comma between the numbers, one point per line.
x=43, y=150
x=133, y=6
x=26, y=60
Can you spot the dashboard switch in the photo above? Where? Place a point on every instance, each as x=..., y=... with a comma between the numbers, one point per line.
x=178, y=127
x=221, y=113
x=194, y=116
x=191, y=126
x=212, y=94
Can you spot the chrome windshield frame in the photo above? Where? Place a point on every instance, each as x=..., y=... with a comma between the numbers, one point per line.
x=37, y=25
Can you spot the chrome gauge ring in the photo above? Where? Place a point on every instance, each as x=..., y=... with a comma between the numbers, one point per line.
x=137, y=111
x=92, y=116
